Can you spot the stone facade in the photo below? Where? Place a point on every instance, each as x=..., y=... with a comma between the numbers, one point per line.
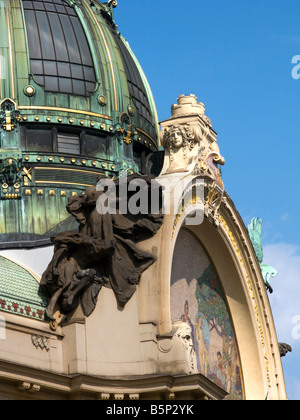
x=198, y=324
x=157, y=359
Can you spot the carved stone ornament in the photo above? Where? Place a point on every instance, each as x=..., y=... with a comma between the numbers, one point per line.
x=41, y=342
x=179, y=142
x=103, y=252
x=190, y=142
x=184, y=335
x=28, y=387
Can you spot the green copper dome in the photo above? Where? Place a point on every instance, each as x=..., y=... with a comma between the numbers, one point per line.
x=74, y=106
x=20, y=291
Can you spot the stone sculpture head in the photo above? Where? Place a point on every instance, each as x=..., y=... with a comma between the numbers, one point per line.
x=181, y=135
x=180, y=142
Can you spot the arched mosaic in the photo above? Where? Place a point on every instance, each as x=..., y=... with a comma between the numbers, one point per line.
x=198, y=299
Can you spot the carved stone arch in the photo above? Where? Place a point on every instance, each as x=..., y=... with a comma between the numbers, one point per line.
x=252, y=364
x=231, y=253
x=234, y=235
x=166, y=317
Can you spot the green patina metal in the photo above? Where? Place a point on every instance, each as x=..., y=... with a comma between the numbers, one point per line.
x=111, y=74
x=115, y=125
x=20, y=292
x=268, y=272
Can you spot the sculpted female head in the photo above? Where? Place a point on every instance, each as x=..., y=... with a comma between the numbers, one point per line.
x=181, y=136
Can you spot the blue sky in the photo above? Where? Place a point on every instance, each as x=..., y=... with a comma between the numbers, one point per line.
x=236, y=57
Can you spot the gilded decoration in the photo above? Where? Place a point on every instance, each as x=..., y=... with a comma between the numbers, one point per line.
x=251, y=292
x=9, y=115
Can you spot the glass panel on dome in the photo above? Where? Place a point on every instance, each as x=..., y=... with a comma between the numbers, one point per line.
x=33, y=35
x=38, y=140
x=137, y=89
x=68, y=143
x=97, y=145
x=58, y=46
x=65, y=84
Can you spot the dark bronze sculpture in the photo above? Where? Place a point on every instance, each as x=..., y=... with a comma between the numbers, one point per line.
x=284, y=349
x=103, y=252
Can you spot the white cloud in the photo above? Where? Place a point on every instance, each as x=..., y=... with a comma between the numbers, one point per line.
x=285, y=301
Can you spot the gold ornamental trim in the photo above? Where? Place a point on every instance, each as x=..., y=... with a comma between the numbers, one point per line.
x=252, y=295
x=69, y=110
x=10, y=51
x=146, y=135
x=108, y=56
x=67, y=169
x=64, y=182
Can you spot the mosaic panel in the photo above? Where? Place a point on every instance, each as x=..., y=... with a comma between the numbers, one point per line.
x=198, y=299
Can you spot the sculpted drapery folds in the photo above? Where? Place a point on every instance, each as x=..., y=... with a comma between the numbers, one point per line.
x=103, y=252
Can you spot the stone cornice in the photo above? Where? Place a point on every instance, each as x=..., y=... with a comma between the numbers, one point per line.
x=28, y=380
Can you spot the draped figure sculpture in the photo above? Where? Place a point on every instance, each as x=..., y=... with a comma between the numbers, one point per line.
x=103, y=252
